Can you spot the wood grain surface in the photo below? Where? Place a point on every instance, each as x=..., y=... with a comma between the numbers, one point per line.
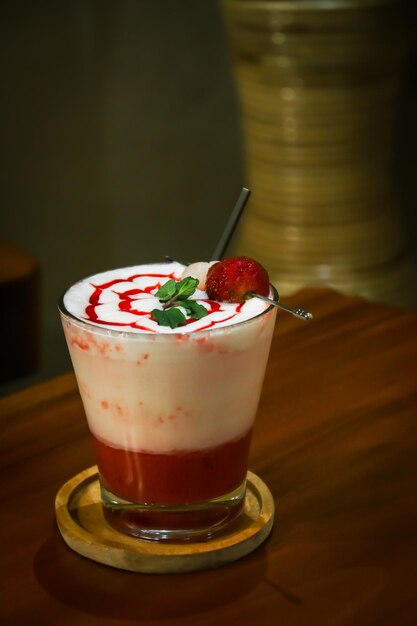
x=336, y=443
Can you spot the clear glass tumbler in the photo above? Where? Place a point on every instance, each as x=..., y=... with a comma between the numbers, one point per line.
x=171, y=419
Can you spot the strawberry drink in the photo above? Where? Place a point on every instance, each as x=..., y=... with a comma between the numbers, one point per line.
x=170, y=376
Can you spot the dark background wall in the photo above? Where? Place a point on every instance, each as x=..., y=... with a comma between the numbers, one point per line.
x=120, y=139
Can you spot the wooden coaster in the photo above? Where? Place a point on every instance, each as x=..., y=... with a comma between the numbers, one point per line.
x=84, y=529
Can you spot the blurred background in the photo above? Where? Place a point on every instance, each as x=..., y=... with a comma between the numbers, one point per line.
x=129, y=127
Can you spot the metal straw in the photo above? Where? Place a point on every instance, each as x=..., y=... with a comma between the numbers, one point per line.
x=231, y=225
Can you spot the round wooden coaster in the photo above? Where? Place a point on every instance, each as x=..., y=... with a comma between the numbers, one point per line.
x=84, y=529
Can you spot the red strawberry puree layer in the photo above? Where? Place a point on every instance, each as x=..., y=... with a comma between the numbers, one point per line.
x=173, y=478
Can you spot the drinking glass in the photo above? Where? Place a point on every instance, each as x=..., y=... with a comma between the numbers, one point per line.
x=171, y=419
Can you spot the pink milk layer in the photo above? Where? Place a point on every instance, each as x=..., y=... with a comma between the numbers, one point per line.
x=168, y=396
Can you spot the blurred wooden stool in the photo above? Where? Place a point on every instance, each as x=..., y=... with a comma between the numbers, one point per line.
x=19, y=312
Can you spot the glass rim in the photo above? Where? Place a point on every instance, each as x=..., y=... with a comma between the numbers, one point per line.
x=149, y=334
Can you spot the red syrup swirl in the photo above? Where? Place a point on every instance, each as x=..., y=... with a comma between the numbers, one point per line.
x=127, y=301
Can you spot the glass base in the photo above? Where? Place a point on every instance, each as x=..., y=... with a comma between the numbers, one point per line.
x=173, y=523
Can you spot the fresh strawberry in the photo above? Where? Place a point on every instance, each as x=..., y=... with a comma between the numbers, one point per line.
x=232, y=279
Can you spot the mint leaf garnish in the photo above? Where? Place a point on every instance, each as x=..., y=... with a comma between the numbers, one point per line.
x=167, y=291
x=160, y=316
x=194, y=309
x=175, y=317
x=187, y=287
x=172, y=317
x=175, y=294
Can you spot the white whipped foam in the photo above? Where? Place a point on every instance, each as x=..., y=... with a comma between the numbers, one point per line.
x=122, y=299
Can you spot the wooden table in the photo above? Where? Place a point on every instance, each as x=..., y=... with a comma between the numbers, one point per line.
x=336, y=442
